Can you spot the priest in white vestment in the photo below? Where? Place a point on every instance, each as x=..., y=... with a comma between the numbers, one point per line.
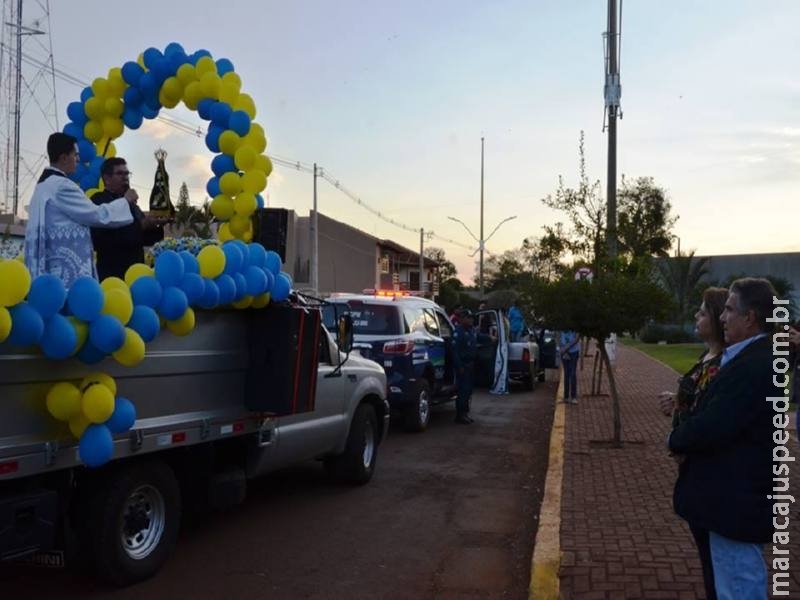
x=58, y=238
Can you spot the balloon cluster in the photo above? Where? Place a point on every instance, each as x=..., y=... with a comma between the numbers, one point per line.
x=119, y=317
x=140, y=89
x=94, y=413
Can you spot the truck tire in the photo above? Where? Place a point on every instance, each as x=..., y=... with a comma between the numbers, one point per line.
x=133, y=520
x=418, y=413
x=357, y=463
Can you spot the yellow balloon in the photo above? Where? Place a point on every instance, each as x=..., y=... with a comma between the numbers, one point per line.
x=78, y=424
x=243, y=303
x=254, y=181
x=245, y=204
x=100, y=378
x=94, y=108
x=183, y=325
x=93, y=130
x=232, y=79
x=118, y=303
x=132, y=351
x=172, y=88
x=113, y=127
x=210, y=84
x=238, y=225
x=212, y=261
x=224, y=233
x=5, y=323
x=113, y=107
x=229, y=183
x=192, y=94
x=222, y=207
x=229, y=142
x=245, y=157
x=256, y=138
x=186, y=74
x=97, y=403
x=16, y=282
x=64, y=401
x=205, y=65
x=116, y=84
x=108, y=150
x=263, y=163
x=261, y=300
x=228, y=93
x=100, y=87
x=247, y=236
x=166, y=100
x=81, y=331
x=245, y=103
x=113, y=283
x=137, y=270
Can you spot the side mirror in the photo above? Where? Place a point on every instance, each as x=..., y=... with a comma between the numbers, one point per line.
x=345, y=333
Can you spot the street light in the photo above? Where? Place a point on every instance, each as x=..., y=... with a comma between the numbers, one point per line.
x=481, y=244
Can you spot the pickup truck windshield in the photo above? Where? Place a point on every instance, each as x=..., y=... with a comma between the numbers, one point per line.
x=368, y=319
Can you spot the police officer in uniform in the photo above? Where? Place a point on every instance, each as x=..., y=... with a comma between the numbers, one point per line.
x=464, y=353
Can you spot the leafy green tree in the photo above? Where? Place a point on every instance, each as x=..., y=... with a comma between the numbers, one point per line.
x=684, y=277
x=189, y=220
x=613, y=303
x=445, y=269
x=545, y=255
x=644, y=219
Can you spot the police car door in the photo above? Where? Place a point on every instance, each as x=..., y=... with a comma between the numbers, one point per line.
x=436, y=349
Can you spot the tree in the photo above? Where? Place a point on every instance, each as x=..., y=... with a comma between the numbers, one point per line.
x=191, y=221
x=644, y=221
x=683, y=277
x=506, y=270
x=444, y=268
x=545, y=255
x=613, y=303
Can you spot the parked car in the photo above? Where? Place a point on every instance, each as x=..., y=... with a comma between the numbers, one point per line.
x=411, y=338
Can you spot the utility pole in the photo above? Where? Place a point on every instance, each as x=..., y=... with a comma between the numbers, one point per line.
x=421, y=259
x=315, y=240
x=480, y=243
x=613, y=92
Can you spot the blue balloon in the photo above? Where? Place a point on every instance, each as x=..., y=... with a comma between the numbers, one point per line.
x=281, y=288
x=148, y=84
x=86, y=150
x=97, y=164
x=256, y=280
x=190, y=264
x=86, y=93
x=173, y=303
x=47, y=295
x=212, y=187
x=162, y=69
x=148, y=112
x=270, y=279
x=151, y=56
x=234, y=259
x=174, y=48
x=151, y=100
x=204, y=108
x=132, y=72
x=239, y=122
x=146, y=291
x=169, y=268
x=259, y=201
x=96, y=446
x=227, y=289
x=222, y=163
x=224, y=66
x=220, y=114
x=90, y=355
x=256, y=255
x=74, y=130
x=85, y=298
x=210, y=297
x=132, y=97
x=123, y=417
x=59, y=339
x=192, y=285
x=212, y=138
x=145, y=322
x=76, y=113
x=107, y=334
x=198, y=55
x=27, y=325
x=273, y=262
x=241, y=286
x=132, y=118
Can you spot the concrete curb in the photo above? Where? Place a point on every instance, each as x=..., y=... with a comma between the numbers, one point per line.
x=546, y=560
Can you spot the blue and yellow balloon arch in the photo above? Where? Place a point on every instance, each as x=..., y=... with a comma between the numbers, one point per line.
x=140, y=89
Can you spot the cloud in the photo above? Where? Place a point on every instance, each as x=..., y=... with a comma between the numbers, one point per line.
x=157, y=129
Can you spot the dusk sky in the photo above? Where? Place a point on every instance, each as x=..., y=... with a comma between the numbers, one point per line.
x=392, y=100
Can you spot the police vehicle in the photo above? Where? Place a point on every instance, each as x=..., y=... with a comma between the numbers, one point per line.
x=411, y=338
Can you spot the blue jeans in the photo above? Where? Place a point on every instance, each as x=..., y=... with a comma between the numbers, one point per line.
x=739, y=569
x=570, y=377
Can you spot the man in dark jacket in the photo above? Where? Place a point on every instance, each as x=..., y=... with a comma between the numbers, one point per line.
x=465, y=351
x=118, y=249
x=725, y=481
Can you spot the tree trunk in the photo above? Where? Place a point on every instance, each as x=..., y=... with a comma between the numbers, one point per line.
x=615, y=411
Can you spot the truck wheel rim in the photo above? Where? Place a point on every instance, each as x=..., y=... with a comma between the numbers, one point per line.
x=423, y=407
x=143, y=521
x=369, y=445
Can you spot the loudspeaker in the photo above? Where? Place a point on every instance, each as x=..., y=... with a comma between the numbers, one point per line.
x=271, y=225
x=284, y=355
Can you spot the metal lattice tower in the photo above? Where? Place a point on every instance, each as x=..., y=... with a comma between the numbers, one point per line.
x=28, y=109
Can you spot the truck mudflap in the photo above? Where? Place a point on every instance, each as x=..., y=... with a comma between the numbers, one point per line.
x=27, y=523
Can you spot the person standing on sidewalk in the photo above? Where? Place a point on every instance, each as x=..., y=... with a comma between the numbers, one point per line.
x=691, y=389
x=465, y=349
x=725, y=481
x=570, y=344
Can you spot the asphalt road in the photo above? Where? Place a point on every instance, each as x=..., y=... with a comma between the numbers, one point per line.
x=450, y=513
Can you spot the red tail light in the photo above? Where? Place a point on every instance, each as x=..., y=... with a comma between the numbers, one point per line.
x=526, y=355
x=398, y=347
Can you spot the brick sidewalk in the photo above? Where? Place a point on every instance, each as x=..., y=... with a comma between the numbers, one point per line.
x=619, y=535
